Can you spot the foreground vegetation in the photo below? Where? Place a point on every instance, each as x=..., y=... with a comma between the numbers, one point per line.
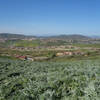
x=75, y=80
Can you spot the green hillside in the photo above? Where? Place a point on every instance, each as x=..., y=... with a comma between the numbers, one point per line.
x=25, y=43
x=11, y=36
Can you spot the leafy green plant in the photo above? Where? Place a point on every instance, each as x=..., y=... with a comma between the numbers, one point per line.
x=75, y=80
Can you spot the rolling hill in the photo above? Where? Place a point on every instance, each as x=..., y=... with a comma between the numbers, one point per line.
x=72, y=37
x=14, y=36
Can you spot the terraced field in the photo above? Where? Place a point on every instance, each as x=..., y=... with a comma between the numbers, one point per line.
x=76, y=80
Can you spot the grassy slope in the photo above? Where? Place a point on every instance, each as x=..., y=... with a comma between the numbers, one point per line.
x=25, y=43
x=87, y=45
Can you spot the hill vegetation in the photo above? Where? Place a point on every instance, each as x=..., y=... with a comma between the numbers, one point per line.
x=13, y=36
x=20, y=36
x=71, y=37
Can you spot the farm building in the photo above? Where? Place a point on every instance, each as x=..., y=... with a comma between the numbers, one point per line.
x=59, y=54
x=64, y=53
x=22, y=57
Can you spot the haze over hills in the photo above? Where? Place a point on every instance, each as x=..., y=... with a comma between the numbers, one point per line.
x=73, y=36
x=16, y=36
x=95, y=36
x=20, y=36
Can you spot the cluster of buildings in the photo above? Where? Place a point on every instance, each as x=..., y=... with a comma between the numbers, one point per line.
x=31, y=59
x=69, y=53
x=24, y=58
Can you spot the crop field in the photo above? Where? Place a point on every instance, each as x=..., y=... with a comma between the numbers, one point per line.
x=76, y=80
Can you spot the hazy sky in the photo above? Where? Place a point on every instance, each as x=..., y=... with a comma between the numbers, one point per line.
x=50, y=17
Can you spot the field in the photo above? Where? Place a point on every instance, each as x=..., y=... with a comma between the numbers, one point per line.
x=70, y=80
x=32, y=69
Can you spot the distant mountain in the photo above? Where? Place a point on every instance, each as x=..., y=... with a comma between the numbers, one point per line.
x=95, y=37
x=20, y=36
x=14, y=36
x=73, y=37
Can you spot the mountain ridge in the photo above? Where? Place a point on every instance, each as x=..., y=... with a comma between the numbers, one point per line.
x=21, y=36
x=17, y=36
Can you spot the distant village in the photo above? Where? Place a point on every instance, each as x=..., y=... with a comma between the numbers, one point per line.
x=64, y=49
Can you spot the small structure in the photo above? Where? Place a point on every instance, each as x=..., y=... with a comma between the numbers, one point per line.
x=78, y=53
x=60, y=54
x=30, y=59
x=64, y=53
x=68, y=53
x=22, y=57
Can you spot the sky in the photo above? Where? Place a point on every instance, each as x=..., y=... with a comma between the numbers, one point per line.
x=50, y=17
